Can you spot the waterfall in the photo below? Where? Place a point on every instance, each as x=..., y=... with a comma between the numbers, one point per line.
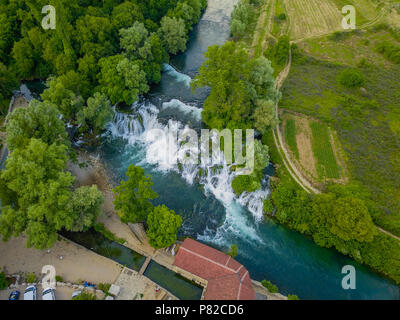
x=143, y=127
x=195, y=112
x=180, y=77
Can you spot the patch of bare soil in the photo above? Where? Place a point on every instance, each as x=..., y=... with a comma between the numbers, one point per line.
x=303, y=139
x=71, y=261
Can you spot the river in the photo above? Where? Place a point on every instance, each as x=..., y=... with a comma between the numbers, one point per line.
x=204, y=197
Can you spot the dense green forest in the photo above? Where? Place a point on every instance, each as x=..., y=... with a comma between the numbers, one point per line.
x=113, y=47
x=100, y=53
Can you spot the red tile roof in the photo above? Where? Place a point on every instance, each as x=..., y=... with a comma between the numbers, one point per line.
x=227, y=278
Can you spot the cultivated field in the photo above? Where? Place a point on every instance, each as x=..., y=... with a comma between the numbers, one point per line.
x=312, y=17
x=312, y=149
x=309, y=18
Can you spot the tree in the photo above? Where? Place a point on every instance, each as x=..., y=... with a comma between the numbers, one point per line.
x=163, y=225
x=37, y=196
x=189, y=11
x=352, y=221
x=88, y=67
x=132, y=197
x=40, y=190
x=173, y=34
x=121, y=80
x=85, y=205
x=270, y=286
x=264, y=115
x=95, y=36
x=279, y=53
x=68, y=101
x=252, y=181
x=233, y=251
x=240, y=18
x=8, y=83
x=40, y=120
x=134, y=41
x=237, y=82
x=22, y=53
x=125, y=15
x=146, y=50
x=96, y=114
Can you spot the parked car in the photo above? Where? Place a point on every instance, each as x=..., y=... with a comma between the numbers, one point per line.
x=48, y=294
x=76, y=293
x=30, y=293
x=14, y=295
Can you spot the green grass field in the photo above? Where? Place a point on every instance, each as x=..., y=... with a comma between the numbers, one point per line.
x=290, y=136
x=262, y=33
x=279, y=25
x=365, y=119
x=351, y=48
x=366, y=10
x=323, y=152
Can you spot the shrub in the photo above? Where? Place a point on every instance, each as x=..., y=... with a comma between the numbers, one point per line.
x=351, y=78
x=390, y=51
x=268, y=206
x=245, y=183
x=271, y=287
x=30, y=278
x=279, y=53
x=282, y=16
x=292, y=297
x=4, y=283
x=85, y=296
x=105, y=287
x=233, y=251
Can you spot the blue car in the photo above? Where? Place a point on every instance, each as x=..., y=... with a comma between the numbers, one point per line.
x=14, y=295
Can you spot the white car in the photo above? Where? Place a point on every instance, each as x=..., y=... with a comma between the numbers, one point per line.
x=30, y=293
x=48, y=294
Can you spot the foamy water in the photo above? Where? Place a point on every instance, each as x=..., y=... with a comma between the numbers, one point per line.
x=163, y=148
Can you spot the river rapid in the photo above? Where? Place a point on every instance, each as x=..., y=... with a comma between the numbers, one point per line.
x=202, y=194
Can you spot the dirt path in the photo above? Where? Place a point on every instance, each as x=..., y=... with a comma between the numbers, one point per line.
x=285, y=155
x=265, y=21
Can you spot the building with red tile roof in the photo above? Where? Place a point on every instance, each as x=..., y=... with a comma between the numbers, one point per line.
x=226, y=278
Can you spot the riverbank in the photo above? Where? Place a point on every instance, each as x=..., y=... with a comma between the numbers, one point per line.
x=92, y=172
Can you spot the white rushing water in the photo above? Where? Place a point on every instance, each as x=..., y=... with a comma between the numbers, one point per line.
x=179, y=77
x=164, y=149
x=184, y=108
